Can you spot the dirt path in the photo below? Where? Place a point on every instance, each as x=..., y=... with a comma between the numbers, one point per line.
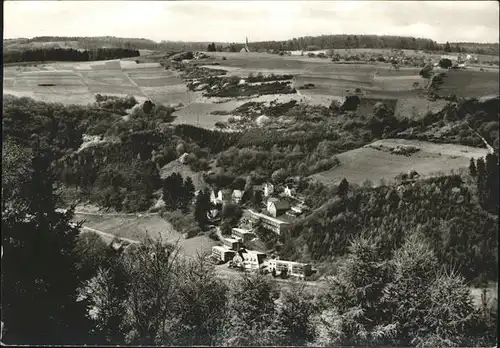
x=109, y=235
x=116, y=214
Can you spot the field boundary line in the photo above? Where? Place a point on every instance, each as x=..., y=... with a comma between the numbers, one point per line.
x=134, y=83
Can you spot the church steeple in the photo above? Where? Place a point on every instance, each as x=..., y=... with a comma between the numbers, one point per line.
x=246, y=45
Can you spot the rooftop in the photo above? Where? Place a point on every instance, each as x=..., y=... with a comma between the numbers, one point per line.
x=241, y=230
x=266, y=217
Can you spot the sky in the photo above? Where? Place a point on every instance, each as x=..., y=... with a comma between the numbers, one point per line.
x=232, y=21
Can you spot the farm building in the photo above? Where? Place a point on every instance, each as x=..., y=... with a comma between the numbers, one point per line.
x=242, y=234
x=277, y=208
x=269, y=223
x=236, y=196
x=295, y=269
x=231, y=243
x=249, y=259
x=223, y=254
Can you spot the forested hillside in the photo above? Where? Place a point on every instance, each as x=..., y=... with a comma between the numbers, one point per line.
x=448, y=212
x=67, y=55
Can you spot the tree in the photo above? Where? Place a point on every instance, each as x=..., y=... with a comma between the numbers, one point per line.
x=472, y=168
x=407, y=298
x=174, y=194
x=151, y=270
x=106, y=294
x=351, y=311
x=491, y=183
x=250, y=318
x=232, y=213
x=148, y=106
x=343, y=188
x=481, y=179
x=445, y=63
x=449, y=318
x=201, y=304
x=225, y=228
x=295, y=315
x=202, y=207
x=188, y=193
x=279, y=175
x=39, y=304
x=211, y=47
x=257, y=198
x=447, y=47
x=426, y=72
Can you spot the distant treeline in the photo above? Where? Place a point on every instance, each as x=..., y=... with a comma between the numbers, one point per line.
x=302, y=43
x=83, y=42
x=62, y=54
x=312, y=43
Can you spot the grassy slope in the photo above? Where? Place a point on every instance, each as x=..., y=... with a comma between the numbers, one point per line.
x=370, y=164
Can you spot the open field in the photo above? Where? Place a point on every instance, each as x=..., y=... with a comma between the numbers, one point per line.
x=136, y=228
x=470, y=83
x=367, y=163
x=78, y=82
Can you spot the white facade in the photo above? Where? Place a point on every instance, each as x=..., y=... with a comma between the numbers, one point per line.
x=251, y=260
x=290, y=192
x=268, y=189
x=237, y=194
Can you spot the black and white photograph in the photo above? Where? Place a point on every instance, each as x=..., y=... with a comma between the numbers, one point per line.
x=250, y=173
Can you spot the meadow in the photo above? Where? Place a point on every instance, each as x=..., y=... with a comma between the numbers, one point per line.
x=78, y=83
x=138, y=227
x=368, y=163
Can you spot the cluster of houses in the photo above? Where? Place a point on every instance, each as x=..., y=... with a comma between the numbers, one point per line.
x=279, y=203
x=233, y=251
x=281, y=207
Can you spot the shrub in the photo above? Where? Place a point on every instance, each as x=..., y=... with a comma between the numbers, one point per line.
x=445, y=63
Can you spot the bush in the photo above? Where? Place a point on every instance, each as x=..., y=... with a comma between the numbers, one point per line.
x=193, y=232
x=445, y=63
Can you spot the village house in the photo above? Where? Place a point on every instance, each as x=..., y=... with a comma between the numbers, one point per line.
x=289, y=191
x=242, y=234
x=249, y=259
x=267, y=222
x=277, y=208
x=294, y=269
x=236, y=196
x=221, y=197
x=231, y=244
x=268, y=189
x=223, y=254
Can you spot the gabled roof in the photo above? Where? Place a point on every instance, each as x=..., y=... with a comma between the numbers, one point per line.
x=281, y=204
x=238, y=193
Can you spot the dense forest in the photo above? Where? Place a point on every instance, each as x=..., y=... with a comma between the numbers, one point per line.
x=71, y=55
x=121, y=170
x=445, y=211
